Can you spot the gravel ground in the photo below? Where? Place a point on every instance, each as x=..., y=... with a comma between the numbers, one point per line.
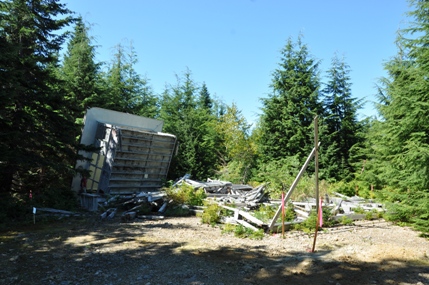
x=184, y=251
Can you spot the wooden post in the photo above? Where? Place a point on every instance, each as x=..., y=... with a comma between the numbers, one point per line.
x=283, y=215
x=316, y=174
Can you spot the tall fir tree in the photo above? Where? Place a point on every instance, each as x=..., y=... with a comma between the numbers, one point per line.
x=192, y=123
x=205, y=101
x=80, y=72
x=404, y=132
x=126, y=90
x=37, y=149
x=341, y=127
x=289, y=111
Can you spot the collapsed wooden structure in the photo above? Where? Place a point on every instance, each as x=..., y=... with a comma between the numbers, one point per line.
x=131, y=155
x=241, y=201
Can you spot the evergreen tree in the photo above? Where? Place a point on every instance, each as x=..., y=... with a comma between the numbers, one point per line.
x=404, y=132
x=127, y=91
x=37, y=149
x=341, y=128
x=205, y=101
x=80, y=72
x=289, y=111
x=192, y=123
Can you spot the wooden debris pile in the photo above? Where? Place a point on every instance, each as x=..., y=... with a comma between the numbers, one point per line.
x=145, y=205
x=241, y=201
x=210, y=186
x=354, y=208
x=152, y=205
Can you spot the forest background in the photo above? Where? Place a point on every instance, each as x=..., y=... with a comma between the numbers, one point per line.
x=45, y=91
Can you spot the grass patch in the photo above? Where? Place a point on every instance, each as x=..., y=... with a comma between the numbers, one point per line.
x=242, y=232
x=346, y=221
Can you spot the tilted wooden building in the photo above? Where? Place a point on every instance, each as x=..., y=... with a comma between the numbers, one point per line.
x=133, y=156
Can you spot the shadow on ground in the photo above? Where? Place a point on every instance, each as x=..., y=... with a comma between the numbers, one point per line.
x=82, y=251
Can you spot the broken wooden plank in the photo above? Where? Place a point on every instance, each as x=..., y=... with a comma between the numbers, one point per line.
x=352, y=216
x=163, y=207
x=244, y=214
x=128, y=216
x=110, y=213
x=247, y=225
x=56, y=211
x=150, y=217
x=301, y=213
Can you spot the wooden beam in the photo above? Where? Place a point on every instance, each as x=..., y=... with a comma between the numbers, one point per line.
x=246, y=215
x=292, y=187
x=247, y=225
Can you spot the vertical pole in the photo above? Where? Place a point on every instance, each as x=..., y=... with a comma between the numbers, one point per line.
x=316, y=174
x=34, y=215
x=283, y=214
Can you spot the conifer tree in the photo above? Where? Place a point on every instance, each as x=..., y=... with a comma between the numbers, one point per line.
x=289, y=111
x=205, y=100
x=341, y=128
x=80, y=72
x=192, y=123
x=404, y=132
x=37, y=150
x=126, y=90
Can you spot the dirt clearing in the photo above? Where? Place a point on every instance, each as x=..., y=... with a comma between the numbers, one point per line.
x=184, y=251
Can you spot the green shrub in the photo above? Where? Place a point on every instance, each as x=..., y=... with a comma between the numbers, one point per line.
x=343, y=188
x=13, y=208
x=265, y=212
x=328, y=220
x=211, y=214
x=186, y=194
x=379, y=214
x=346, y=221
x=359, y=210
x=259, y=234
x=228, y=228
x=308, y=225
x=369, y=216
x=290, y=214
x=242, y=232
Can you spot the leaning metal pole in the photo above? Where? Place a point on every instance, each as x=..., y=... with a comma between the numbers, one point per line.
x=292, y=187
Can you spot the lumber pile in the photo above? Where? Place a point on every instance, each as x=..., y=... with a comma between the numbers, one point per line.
x=241, y=201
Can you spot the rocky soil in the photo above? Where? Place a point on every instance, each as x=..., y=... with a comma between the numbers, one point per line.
x=184, y=251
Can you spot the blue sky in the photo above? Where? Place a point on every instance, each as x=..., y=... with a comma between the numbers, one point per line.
x=234, y=45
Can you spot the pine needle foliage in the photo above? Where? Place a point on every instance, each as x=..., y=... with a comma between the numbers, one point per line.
x=403, y=140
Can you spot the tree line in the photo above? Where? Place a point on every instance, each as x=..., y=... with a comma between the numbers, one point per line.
x=45, y=91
